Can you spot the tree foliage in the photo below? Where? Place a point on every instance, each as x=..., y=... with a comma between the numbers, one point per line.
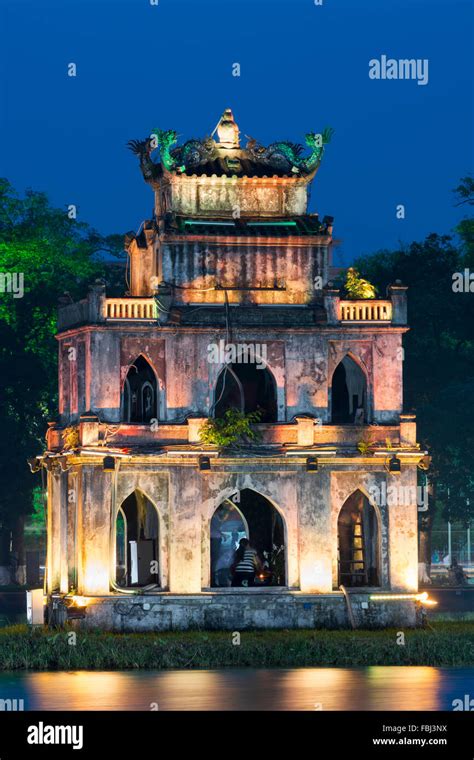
x=54, y=255
x=356, y=286
x=439, y=359
x=233, y=429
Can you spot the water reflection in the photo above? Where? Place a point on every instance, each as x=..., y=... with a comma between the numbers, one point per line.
x=372, y=688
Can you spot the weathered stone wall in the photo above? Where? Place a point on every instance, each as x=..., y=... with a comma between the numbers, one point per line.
x=302, y=364
x=252, y=196
x=186, y=499
x=94, y=523
x=57, y=499
x=288, y=269
x=143, y=264
x=73, y=382
x=243, y=611
x=403, y=534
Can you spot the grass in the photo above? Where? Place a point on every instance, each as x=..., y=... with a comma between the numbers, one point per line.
x=443, y=644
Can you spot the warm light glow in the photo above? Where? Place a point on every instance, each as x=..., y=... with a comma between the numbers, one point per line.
x=79, y=601
x=425, y=600
x=411, y=579
x=96, y=577
x=422, y=598
x=392, y=597
x=315, y=576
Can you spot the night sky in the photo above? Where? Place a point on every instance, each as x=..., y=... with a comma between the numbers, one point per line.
x=303, y=67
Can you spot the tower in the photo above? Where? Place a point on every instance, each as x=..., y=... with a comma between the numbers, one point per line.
x=231, y=307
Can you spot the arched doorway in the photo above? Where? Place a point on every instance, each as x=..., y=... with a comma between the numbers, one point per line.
x=140, y=393
x=248, y=388
x=121, y=549
x=250, y=515
x=137, y=542
x=358, y=542
x=348, y=393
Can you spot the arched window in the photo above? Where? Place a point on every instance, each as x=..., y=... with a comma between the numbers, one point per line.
x=249, y=515
x=248, y=388
x=137, y=542
x=348, y=393
x=358, y=542
x=121, y=549
x=140, y=395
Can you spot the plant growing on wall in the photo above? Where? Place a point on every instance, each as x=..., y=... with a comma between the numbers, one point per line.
x=365, y=446
x=231, y=430
x=356, y=287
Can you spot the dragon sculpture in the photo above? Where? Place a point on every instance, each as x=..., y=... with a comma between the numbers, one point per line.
x=281, y=156
x=164, y=140
x=143, y=149
x=287, y=155
x=187, y=156
x=195, y=152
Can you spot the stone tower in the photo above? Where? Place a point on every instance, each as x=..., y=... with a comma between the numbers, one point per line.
x=230, y=306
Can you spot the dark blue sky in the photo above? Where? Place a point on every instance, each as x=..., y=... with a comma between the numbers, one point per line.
x=302, y=67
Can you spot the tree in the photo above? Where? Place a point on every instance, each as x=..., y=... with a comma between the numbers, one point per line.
x=465, y=229
x=439, y=365
x=356, y=287
x=43, y=254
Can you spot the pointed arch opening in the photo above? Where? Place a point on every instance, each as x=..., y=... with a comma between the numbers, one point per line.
x=348, y=393
x=358, y=542
x=137, y=543
x=248, y=388
x=121, y=548
x=140, y=393
x=250, y=516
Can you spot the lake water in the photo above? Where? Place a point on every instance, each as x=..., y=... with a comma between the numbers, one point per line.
x=371, y=688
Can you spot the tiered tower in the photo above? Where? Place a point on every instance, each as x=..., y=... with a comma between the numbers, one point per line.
x=230, y=306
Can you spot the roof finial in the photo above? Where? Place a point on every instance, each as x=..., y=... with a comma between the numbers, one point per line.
x=228, y=131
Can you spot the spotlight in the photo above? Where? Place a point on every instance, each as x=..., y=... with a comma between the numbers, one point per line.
x=394, y=465
x=312, y=464
x=204, y=463
x=108, y=465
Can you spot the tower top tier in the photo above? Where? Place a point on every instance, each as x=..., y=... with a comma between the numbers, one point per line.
x=215, y=176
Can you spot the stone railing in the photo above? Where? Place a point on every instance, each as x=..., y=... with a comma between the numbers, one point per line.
x=303, y=432
x=130, y=308
x=365, y=311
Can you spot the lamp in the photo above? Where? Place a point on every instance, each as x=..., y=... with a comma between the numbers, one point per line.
x=108, y=465
x=204, y=463
x=394, y=465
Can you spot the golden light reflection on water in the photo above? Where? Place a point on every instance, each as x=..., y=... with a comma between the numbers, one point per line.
x=411, y=688
x=373, y=688
x=78, y=690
